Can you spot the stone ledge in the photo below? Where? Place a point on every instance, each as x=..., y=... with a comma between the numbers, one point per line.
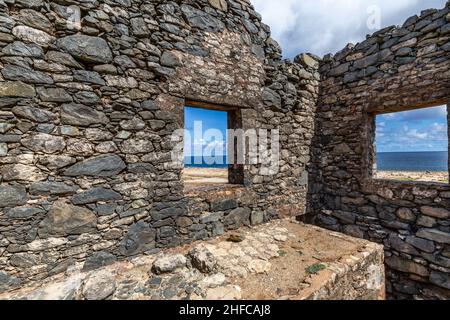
x=278, y=260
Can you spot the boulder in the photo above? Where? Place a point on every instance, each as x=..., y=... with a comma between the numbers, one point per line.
x=16, y=89
x=64, y=219
x=43, y=142
x=98, y=260
x=237, y=218
x=86, y=48
x=140, y=238
x=11, y=196
x=95, y=195
x=101, y=166
x=33, y=114
x=52, y=188
x=169, y=263
x=19, y=73
x=81, y=115
x=18, y=48
x=99, y=285
x=202, y=259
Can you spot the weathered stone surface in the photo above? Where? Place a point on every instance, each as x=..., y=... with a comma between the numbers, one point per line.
x=53, y=95
x=98, y=260
x=33, y=114
x=202, y=259
x=22, y=172
x=8, y=282
x=23, y=212
x=19, y=73
x=440, y=279
x=16, y=89
x=11, y=196
x=201, y=19
x=86, y=48
x=18, y=48
x=99, y=286
x=139, y=238
x=238, y=217
x=403, y=265
x=52, y=188
x=95, y=195
x=35, y=19
x=43, y=142
x=33, y=35
x=434, y=235
x=64, y=219
x=169, y=263
x=440, y=213
x=219, y=4
x=102, y=166
x=80, y=115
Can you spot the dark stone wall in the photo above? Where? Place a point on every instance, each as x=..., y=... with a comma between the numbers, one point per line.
x=395, y=69
x=87, y=113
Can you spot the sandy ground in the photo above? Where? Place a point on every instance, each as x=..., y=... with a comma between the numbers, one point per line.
x=414, y=176
x=205, y=176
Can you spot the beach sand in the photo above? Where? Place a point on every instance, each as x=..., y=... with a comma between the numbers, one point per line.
x=428, y=176
x=205, y=176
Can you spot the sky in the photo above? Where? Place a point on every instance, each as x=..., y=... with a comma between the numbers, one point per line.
x=416, y=130
x=326, y=26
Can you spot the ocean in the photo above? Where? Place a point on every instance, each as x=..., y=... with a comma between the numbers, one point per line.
x=386, y=161
x=412, y=161
x=205, y=162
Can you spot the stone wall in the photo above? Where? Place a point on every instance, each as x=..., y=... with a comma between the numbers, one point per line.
x=86, y=117
x=395, y=69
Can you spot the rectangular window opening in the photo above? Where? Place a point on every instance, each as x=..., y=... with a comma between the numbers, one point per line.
x=412, y=145
x=206, y=161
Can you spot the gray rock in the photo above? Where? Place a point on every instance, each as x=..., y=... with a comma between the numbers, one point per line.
x=80, y=115
x=52, y=188
x=223, y=205
x=202, y=259
x=16, y=89
x=23, y=212
x=201, y=19
x=139, y=27
x=237, y=218
x=11, y=196
x=18, y=73
x=407, y=266
x=56, y=161
x=30, y=3
x=8, y=282
x=169, y=263
x=43, y=142
x=86, y=48
x=440, y=279
x=95, y=195
x=271, y=98
x=87, y=98
x=98, y=260
x=33, y=114
x=53, y=95
x=170, y=59
x=62, y=58
x=99, y=285
x=22, y=172
x=101, y=166
x=422, y=244
x=439, y=213
x=434, y=235
x=34, y=19
x=21, y=49
x=64, y=219
x=3, y=149
x=29, y=34
x=140, y=238
x=88, y=76
x=257, y=217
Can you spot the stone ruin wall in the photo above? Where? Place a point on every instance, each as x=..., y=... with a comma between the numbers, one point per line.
x=395, y=69
x=86, y=117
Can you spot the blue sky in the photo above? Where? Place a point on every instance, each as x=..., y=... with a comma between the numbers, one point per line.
x=213, y=143
x=416, y=130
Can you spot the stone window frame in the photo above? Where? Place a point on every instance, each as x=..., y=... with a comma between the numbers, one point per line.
x=369, y=152
x=234, y=121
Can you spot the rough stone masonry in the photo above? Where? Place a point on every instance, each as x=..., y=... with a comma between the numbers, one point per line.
x=87, y=111
x=86, y=116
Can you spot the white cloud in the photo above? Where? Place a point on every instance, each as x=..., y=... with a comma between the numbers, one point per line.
x=323, y=26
